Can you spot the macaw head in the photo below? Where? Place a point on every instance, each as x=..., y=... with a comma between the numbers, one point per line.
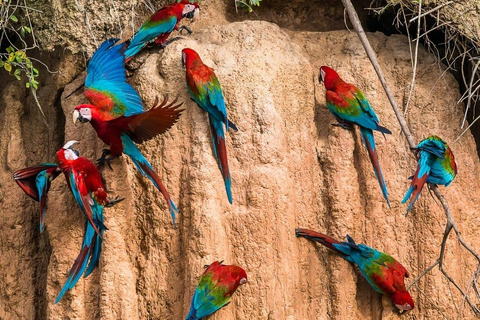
x=402, y=300
x=328, y=77
x=188, y=56
x=190, y=10
x=82, y=113
x=69, y=152
x=242, y=276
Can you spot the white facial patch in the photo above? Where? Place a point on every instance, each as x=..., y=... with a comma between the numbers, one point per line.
x=70, y=154
x=188, y=8
x=243, y=281
x=86, y=113
x=322, y=73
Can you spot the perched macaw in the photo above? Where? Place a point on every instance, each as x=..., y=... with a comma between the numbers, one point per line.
x=350, y=106
x=205, y=90
x=86, y=185
x=436, y=165
x=384, y=273
x=35, y=182
x=116, y=112
x=215, y=288
x=159, y=26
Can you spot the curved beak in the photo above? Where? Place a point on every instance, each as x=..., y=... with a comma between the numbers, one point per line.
x=69, y=144
x=76, y=116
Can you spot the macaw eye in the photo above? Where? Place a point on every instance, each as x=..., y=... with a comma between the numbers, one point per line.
x=322, y=74
x=243, y=281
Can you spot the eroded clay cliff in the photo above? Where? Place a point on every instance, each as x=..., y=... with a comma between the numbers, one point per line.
x=290, y=168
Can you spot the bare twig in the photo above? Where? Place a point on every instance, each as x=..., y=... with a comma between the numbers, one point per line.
x=415, y=61
x=430, y=11
x=451, y=225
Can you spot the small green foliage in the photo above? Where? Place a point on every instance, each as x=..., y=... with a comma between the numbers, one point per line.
x=15, y=60
x=247, y=4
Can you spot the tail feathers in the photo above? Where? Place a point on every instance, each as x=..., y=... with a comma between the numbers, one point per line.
x=417, y=185
x=43, y=200
x=220, y=150
x=320, y=238
x=91, y=248
x=368, y=140
x=146, y=169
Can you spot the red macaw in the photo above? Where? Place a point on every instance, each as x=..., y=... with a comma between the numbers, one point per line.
x=350, y=106
x=384, y=273
x=158, y=27
x=205, y=90
x=215, y=288
x=86, y=185
x=116, y=112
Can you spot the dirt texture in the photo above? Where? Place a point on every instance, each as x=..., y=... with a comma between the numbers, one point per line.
x=290, y=168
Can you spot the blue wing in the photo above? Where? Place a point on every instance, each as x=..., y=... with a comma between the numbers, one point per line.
x=148, y=33
x=106, y=82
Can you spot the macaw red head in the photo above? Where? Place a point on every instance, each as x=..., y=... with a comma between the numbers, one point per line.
x=189, y=56
x=328, y=77
x=241, y=275
x=190, y=10
x=82, y=113
x=403, y=300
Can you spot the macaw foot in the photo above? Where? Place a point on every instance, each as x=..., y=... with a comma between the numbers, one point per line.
x=104, y=159
x=114, y=201
x=181, y=28
x=344, y=125
x=164, y=45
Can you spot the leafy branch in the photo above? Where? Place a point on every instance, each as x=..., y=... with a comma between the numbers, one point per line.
x=18, y=35
x=246, y=4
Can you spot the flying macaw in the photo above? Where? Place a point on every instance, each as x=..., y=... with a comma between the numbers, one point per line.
x=205, y=90
x=116, y=112
x=35, y=182
x=350, y=106
x=86, y=185
x=384, y=273
x=215, y=288
x=436, y=165
x=159, y=26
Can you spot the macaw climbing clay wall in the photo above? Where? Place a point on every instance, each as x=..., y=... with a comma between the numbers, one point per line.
x=290, y=168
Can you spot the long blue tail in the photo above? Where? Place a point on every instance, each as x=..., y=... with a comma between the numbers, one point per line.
x=89, y=255
x=367, y=137
x=418, y=180
x=220, y=150
x=142, y=164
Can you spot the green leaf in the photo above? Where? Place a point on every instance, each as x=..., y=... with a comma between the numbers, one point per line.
x=28, y=29
x=27, y=84
x=35, y=71
x=35, y=85
x=10, y=49
x=1, y=63
x=17, y=71
x=22, y=32
x=18, y=77
x=19, y=58
x=7, y=66
x=13, y=18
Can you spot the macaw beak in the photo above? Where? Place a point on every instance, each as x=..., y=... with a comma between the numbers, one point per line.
x=69, y=144
x=320, y=79
x=196, y=13
x=76, y=115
